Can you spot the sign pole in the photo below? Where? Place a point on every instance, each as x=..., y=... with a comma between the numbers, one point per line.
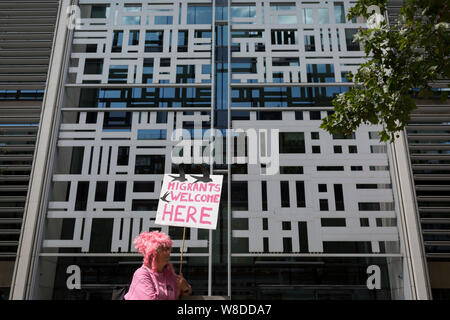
x=182, y=250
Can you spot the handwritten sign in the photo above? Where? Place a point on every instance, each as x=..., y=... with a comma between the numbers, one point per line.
x=189, y=201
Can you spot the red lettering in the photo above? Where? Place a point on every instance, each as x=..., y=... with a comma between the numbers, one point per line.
x=167, y=212
x=172, y=186
x=203, y=214
x=177, y=213
x=190, y=215
x=175, y=197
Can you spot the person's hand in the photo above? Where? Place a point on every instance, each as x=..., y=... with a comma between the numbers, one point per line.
x=183, y=285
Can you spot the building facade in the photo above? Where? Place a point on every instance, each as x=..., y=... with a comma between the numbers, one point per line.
x=428, y=136
x=303, y=215
x=26, y=37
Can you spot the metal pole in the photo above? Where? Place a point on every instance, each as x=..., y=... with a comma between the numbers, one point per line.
x=228, y=152
x=211, y=160
x=182, y=250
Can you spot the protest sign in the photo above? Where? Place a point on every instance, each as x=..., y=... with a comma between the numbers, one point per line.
x=189, y=201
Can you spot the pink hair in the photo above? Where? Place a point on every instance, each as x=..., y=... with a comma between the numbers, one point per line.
x=147, y=243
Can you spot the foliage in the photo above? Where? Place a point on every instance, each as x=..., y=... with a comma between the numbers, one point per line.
x=401, y=58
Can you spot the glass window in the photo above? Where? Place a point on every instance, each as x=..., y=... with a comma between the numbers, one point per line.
x=344, y=137
x=132, y=8
x=378, y=168
x=264, y=195
x=268, y=115
x=310, y=44
x=378, y=149
x=375, y=206
x=144, y=186
x=144, y=205
x=182, y=41
x=283, y=7
x=314, y=115
x=324, y=16
x=320, y=72
x=163, y=20
x=243, y=11
x=151, y=134
x=100, y=190
x=118, y=120
x=339, y=197
x=149, y=164
x=374, y=135
x=284, y=36
x=118, y=74
x=117, y=41
x=120, y=190
x=93, y=66
x=199, y=14
x=161, y=117
x=82, y=195
x=131, y=21
x=323, y=204
x=265, y=223
x=100, y=11
x=221, y=13
x=364, y=222
x=154, y=41
x=123, y=156
x=339, y=12
x=373, y=186
x=351, y=46
x=291, y=170
x=352, y=149
x=239, y=195
x=286, y=19
x=307, y=16
x=300, y=189
x=133, y=39
x=330, y=168
x=292, y=142
x=286, y=225
x=284, y=187
x=333, y=222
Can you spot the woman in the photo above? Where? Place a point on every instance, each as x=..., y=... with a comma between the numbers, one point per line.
x=156, y=279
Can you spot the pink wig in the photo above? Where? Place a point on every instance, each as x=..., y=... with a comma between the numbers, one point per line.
x=147, y=243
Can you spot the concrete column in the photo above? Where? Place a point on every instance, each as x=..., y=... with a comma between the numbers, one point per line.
x=410, y=225
x=29, y=239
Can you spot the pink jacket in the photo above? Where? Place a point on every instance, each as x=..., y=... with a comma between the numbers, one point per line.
x=149, y=285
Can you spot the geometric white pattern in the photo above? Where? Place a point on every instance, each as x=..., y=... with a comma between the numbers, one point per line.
x=140, y=42
x=352, y=230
